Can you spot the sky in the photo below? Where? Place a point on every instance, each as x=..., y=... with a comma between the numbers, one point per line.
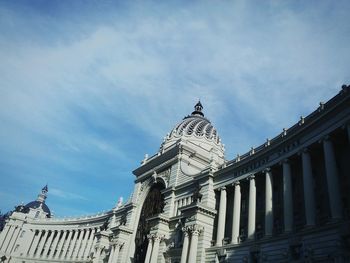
x=87, y=88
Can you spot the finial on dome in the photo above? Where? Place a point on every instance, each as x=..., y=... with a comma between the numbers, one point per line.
x=45, y=189
x=198, y=109
x=43, y=195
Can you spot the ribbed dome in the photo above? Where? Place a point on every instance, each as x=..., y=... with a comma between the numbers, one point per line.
x=196, y=127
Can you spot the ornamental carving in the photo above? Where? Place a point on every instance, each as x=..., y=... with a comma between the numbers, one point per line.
x=193, y=229
x=165, y=175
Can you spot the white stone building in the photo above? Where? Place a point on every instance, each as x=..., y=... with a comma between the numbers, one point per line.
x=287, y=200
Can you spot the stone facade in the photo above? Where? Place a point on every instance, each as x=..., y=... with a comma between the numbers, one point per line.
x=285, y=201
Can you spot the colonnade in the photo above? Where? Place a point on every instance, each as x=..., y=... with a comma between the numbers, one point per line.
x=10, y=236
x=153, y=247
x=115, y=251
x=333, y=188
x=61, y=244
x=190, y=243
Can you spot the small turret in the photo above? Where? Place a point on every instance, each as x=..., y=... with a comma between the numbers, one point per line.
x=198, y=109
x=43, y=195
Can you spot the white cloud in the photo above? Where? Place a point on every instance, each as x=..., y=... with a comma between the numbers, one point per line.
x=100, y=90
x=66, y=195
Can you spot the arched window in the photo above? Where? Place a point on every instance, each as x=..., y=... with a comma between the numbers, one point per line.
x=37, y=214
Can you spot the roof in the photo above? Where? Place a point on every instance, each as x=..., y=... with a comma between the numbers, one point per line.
x=37, y=204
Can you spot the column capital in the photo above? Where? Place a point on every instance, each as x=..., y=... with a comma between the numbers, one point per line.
x=236, y=183
x=195, y=233
x=156, y=237
x=250, y=177
x=195, y=229
x=222, y=188
x=266, y=170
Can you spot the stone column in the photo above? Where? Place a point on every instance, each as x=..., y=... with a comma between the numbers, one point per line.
x=111, y=254
x=90, y=243
x=184, y=251
x=175, y=208
x=117, y=249
x=35, y=244
x=27, y=242
x=268, y=203
x=3, y=236
x=252, y=208
x=41, y=244
x=61, y=243
x=72, y=244
x=155, y=250
x=332, y=179
x=84, y=243
x=308, y=184
x=194, y=244
x=48, y=244
x=236, y=213
x=98, y=254
x=13, y=239
x=54, y=244
x=149, y=248
x=66, y=243
x=222, y=217
x=77, y=248
x=8, y=238
x=287, y=197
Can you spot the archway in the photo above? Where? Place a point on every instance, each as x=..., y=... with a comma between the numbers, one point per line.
x=153, y=205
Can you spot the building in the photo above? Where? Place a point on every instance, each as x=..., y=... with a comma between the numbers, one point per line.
x=285, y=201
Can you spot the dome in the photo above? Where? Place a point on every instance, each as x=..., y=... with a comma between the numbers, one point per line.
x=194, y=127
x=197, y=126
x=37, y=204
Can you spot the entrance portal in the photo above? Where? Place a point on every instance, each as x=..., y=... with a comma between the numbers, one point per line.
x=152, y=206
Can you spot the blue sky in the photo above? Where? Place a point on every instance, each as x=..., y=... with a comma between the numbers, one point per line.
x=88, y=87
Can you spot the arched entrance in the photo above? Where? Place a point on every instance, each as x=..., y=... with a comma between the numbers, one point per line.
x=152, y=206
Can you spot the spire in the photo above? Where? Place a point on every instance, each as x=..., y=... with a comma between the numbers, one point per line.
x=198, y=109
x=45, y=189
x=42, y=196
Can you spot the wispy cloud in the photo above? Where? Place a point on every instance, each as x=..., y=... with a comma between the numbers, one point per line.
x=85, y=95
x=65, y=195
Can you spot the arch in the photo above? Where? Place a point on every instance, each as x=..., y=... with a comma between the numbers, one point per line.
x=153, y=205
x=162, y=181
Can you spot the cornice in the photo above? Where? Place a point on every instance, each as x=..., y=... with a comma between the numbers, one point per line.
x=198, y=208
x=289, y=141
x=156, y=161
